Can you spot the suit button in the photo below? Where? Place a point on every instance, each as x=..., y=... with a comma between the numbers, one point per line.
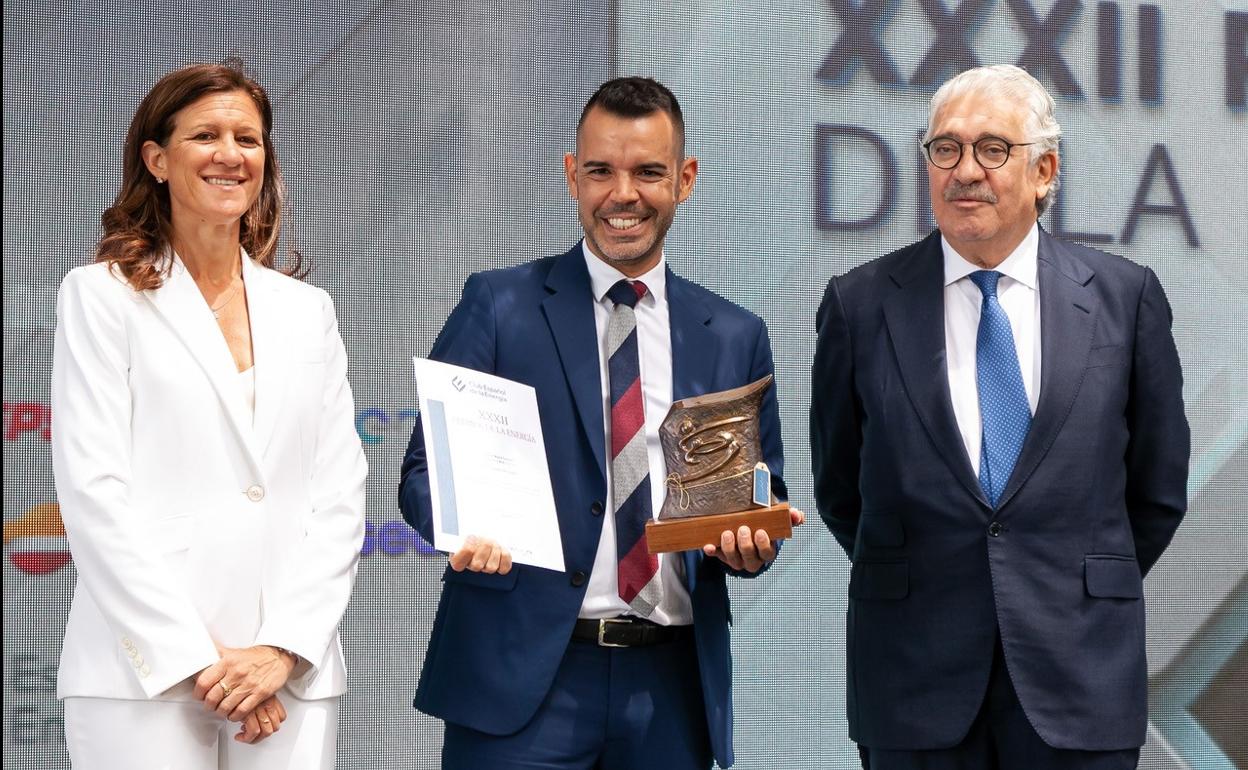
x=255, y=493
x=578, y=578
x=596, y=508
x=133, y=653
x=995, y=528
x=145, y=671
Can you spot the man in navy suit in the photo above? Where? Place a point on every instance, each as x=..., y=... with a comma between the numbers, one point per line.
x=623, y=660
x=999, y=444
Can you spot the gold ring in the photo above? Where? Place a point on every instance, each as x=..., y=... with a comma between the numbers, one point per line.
x=224, y=689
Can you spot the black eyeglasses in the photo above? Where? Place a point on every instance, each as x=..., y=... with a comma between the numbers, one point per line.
x=990, y=151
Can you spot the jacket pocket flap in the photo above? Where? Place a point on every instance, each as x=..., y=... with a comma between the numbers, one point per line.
x=481, y=579
x=881, y=530
x=879, y=580
x=1113, y=577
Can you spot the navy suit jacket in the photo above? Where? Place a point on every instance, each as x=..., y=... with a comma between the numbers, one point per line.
x=497, y=640
x=1097, y=492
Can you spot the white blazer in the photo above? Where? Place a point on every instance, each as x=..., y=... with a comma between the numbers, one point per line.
x=189, y=523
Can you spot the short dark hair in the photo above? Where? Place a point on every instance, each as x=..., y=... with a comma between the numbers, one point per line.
x=634, y=97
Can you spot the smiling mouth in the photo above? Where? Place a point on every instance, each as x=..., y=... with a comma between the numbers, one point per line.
x=219, y=182
x=623, y=223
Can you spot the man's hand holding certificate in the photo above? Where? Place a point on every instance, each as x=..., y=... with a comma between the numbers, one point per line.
x=488, y=478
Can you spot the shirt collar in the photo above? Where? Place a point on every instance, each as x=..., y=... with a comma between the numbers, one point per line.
x=1022, y=264
x=602, y=276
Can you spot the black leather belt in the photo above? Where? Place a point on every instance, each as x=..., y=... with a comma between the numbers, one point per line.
x=626, y=632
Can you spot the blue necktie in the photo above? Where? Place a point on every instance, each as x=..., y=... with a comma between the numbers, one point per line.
x=1003, y=407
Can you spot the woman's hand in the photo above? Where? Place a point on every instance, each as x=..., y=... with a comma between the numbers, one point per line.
x=242, y=679
x=262, y=722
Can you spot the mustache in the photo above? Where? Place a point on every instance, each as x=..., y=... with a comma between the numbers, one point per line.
x=978, y=191
x=640, y=212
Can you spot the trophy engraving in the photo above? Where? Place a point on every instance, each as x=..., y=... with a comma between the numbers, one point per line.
x=711, y=445
x=713, y=453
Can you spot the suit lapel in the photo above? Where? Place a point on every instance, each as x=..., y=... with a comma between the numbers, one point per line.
x=915, y=316
x=694, y=347
x=1068, y=311
x=695, y=351
x=570, y=314
x=179, y=302
x=271, y=350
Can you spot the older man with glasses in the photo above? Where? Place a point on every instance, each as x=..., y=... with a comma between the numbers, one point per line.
x=999, y=445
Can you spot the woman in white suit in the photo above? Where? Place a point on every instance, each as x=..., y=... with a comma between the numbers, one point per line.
x=209, y=475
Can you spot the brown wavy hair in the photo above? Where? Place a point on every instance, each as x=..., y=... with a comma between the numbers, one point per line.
x=137, y=227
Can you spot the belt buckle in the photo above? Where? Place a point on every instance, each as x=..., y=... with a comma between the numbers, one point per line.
x=602, y=628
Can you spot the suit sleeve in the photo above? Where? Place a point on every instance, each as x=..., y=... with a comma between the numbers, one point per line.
x=761, y=365
x=769, y=415
x=303, y=612
x=467, y=339
x=114, y=551
x=1160, y=444
x=835, y=422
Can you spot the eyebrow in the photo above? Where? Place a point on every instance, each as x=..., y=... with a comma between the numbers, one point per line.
x=656, y=166
x=216, y=126
x=982, y=135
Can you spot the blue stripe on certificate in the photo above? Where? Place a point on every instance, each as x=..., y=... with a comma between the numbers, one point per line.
x=446, y=475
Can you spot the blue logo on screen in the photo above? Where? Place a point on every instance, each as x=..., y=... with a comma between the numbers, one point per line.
x=375, y=425
x=394, y=538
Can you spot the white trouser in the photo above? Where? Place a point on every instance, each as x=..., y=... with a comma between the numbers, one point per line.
x=111, y=734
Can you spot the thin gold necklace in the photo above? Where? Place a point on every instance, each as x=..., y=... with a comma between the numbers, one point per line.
x=216, y=311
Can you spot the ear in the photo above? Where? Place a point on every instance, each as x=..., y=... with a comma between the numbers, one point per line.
x=688, y=174
x=569, y=171
x=154, y=159
x=1046, y=171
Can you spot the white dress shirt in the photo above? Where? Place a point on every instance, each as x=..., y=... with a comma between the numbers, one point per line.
x=1019, y=294
x=654, y=346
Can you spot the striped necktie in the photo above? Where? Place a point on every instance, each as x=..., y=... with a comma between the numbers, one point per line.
x=630, y=463
x=1003, y=408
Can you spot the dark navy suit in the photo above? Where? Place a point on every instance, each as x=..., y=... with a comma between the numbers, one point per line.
x=498, y=639
x=1055, y=572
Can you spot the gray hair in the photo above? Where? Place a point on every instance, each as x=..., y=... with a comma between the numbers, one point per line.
x=1005, y=81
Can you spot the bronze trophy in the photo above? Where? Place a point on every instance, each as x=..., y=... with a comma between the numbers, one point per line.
x=716, y=479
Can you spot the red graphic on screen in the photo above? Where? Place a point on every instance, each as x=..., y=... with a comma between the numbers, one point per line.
x=36, y=540
x=27, y=419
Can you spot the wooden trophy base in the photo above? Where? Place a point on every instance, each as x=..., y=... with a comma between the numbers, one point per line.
x=697, y=531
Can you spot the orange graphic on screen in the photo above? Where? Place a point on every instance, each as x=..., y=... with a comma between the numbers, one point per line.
x=36, y=540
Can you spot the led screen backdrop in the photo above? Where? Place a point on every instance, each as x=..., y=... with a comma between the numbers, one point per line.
x=422, y=141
